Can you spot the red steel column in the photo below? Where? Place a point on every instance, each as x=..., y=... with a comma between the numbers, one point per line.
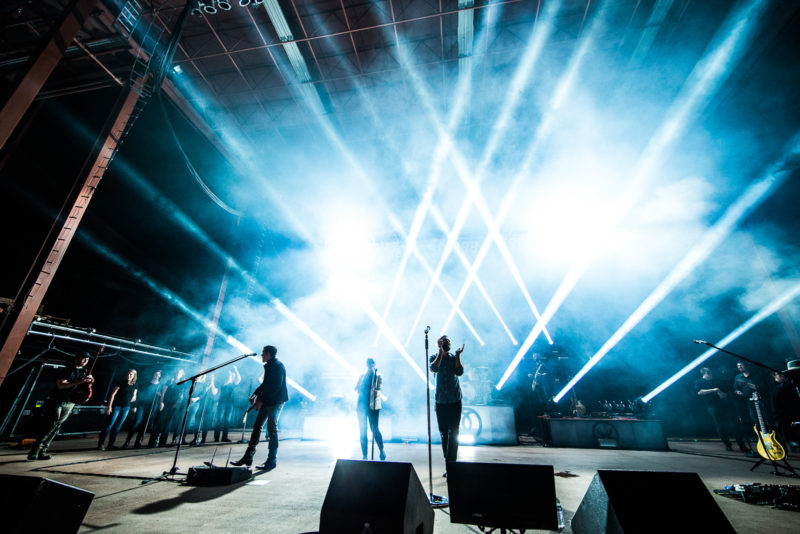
x=38, y=69
x=15, y=327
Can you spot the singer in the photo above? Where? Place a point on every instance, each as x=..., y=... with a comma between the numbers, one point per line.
x=268, y=399
x=369, y=407
x=448, y=368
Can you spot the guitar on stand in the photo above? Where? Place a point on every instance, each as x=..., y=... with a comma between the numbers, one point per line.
x=768, y=447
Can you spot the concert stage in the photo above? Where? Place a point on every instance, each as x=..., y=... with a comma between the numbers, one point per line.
x=289, y=499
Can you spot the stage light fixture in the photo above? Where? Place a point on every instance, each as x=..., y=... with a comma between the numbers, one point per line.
x=224, y=5
x=244, y=3
x=210, y=9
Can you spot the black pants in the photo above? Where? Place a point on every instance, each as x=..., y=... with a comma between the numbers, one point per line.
x=223, y=422
x=725, y=424
x=448, y=417
x=372, y=416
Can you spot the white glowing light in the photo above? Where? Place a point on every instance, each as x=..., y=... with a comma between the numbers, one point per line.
x=762, y=314
x=751, y=198
x=703, y=82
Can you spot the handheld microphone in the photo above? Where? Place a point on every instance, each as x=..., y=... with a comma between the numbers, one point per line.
x=700, y=342
x=427, y=329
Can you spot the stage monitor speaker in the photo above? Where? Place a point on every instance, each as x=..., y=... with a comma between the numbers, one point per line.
x=35, y=504
x=506, y=496
x=648, y=501
x=387, y=495
x=202, y=475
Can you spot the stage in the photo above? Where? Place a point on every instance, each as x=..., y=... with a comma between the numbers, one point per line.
x=289, y=499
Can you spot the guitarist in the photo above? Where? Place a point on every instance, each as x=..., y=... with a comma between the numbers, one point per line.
x=59, y=407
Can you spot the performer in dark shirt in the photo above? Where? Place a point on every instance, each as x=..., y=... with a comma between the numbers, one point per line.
x=58, y=407
x=369, y=407
x=171, y=415
x=144, y=409
x=718, y=404
x=448, y=368
x=786, y=404
x=268, y=399
x=119, y=404
x=208, y=409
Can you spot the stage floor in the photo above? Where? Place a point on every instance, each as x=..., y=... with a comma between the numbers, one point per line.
x=288, y=499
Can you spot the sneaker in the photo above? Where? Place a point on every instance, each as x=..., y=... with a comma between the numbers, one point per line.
x=383, y=455
x=33, y=455
x=44, y=456
x=101, y=447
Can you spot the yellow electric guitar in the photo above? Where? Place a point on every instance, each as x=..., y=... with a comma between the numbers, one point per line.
x=767, y=446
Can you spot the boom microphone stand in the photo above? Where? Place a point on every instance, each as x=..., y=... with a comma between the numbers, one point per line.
x=174, y=469
x=437, y=501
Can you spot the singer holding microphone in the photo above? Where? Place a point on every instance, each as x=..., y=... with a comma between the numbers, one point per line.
x=369, y=407
x=448, y=368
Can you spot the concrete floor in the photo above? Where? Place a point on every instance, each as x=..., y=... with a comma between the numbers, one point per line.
x=289, y=499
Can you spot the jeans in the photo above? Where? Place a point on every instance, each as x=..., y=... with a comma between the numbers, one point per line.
x=145, y=416
x=115, y=420
x=270, y=414
x=366, y=415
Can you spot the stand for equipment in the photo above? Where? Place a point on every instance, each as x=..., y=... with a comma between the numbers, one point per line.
x=437, y=501
x=174, y=469
x=787, y=466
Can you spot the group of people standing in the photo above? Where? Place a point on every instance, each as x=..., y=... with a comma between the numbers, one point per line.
x=157, y=405
x=752, y=399
x=160, y=406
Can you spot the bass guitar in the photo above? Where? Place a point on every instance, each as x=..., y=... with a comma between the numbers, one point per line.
x=767, y=446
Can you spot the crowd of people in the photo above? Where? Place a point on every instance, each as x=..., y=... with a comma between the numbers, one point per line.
x=137, y=407
x=159, y=405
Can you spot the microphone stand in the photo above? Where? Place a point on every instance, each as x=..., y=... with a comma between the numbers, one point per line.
x=174, y=469
x=436, y=501
x=370, y=421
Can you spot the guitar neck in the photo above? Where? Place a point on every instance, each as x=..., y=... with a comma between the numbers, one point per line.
x=761, y=425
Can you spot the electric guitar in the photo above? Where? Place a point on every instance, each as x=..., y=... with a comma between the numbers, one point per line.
x=767, y=446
